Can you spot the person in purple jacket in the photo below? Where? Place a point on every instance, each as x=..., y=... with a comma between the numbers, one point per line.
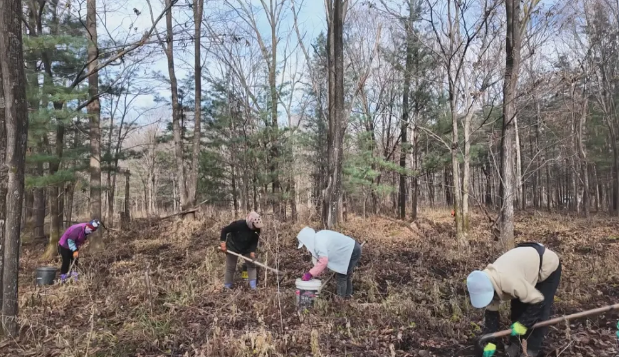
x=70, y=243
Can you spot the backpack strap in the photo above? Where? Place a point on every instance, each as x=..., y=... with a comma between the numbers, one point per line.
x=540, y=250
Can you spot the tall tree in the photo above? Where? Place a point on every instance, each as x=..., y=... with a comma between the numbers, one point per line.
x=94, y=111
x=332, y=194
x=512, y=66
x=198, y=10
x=408, y=26
x=167, y=44
x=3, y=179
x=16, y=122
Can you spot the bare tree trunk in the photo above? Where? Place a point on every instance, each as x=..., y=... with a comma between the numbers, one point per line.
x=3, y=179
x=430, y=178
x=126, y=216
x=94, y=113
x=55, y=211
x=487, y=169
x=520, y=198
x=333, y=192
x=16, y=124
x=234, y=192
x=68, y=194
x=198, y=9
x=455, y=168
x=583, y=154
x=596, y=187
x=447, y=186
x=415, y=179
x=405, y=109
x=542, y=159
x=467, y=171
x=512, y=66
x=548, y=190
x=176, y=109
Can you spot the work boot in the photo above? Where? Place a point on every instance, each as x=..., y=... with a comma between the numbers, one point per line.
x=74, y=275
x=253, y=284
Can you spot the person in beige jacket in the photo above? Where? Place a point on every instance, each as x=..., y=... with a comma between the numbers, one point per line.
x=528, y=276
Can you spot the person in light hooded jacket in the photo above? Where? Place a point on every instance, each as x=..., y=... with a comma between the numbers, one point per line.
x=528, y=276
x=331, y=250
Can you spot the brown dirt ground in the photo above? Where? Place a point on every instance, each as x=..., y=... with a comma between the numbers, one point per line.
x=156, y=291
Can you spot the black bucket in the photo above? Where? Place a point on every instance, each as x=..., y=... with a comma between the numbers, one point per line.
x=46, y=275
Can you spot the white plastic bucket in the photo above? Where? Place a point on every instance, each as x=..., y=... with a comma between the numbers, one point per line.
x=306, y=292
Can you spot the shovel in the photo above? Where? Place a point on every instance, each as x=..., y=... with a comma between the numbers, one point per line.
x=577, y=315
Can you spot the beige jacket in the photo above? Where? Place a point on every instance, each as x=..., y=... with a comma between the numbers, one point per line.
x=515, y=274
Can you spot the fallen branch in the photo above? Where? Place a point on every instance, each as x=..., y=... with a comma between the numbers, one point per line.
x=180, y=213
x=253, y=261
x=577, y=315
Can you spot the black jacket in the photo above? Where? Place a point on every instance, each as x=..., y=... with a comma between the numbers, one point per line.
x=241, y=239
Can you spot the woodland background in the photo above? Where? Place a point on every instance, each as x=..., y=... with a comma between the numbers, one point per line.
x=393, y=111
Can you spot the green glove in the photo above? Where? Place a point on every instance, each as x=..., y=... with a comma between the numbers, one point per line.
x=489, y=350
x=518, y=329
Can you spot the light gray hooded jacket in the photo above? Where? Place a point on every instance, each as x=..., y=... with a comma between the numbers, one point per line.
x=336, y=247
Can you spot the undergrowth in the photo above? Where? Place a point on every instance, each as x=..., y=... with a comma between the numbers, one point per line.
x=157, y=291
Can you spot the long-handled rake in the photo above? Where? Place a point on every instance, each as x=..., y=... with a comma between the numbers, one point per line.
x=279, y=273
x=577, y=315
x=254, y=262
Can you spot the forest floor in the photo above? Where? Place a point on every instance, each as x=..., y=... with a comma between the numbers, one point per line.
x=157, y=291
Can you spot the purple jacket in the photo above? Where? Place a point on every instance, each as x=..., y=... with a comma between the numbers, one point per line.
x=75, y=233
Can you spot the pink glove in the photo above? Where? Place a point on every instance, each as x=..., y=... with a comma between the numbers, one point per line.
x=307, y=276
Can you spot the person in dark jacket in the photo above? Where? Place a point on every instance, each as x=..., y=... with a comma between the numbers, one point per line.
x=69, y=245
x=241, y=237
x=528, y=276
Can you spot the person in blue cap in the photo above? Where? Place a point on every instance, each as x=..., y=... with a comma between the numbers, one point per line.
x=528, y=276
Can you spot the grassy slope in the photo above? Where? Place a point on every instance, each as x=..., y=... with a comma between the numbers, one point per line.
x=157, y=292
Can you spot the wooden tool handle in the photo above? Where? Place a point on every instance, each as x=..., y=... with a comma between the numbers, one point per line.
x=577, y=315
x=253, y=261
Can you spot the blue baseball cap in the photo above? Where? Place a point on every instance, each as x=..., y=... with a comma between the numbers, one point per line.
x=480, y=289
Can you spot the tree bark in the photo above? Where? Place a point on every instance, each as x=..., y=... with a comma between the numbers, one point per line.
x=512, y=66
x=55, y=211
x=405, y=110
x=16, y=123
x=3, y=179
x=415, y=179
x=466, y=174
x=333, y=192
x=455, y=166
x=176, y=110
x=39, y=198
x=126, y=216
x=520, y=199
x=94, y=112
x=198, y=9
x=583, y=154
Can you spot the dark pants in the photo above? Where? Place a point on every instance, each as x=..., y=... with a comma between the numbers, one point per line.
x=548, y=288
x=231, y=268
x=344, y=281
x=67, y=259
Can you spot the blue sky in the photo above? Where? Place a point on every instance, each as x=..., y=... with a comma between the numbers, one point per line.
x=120, y=16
